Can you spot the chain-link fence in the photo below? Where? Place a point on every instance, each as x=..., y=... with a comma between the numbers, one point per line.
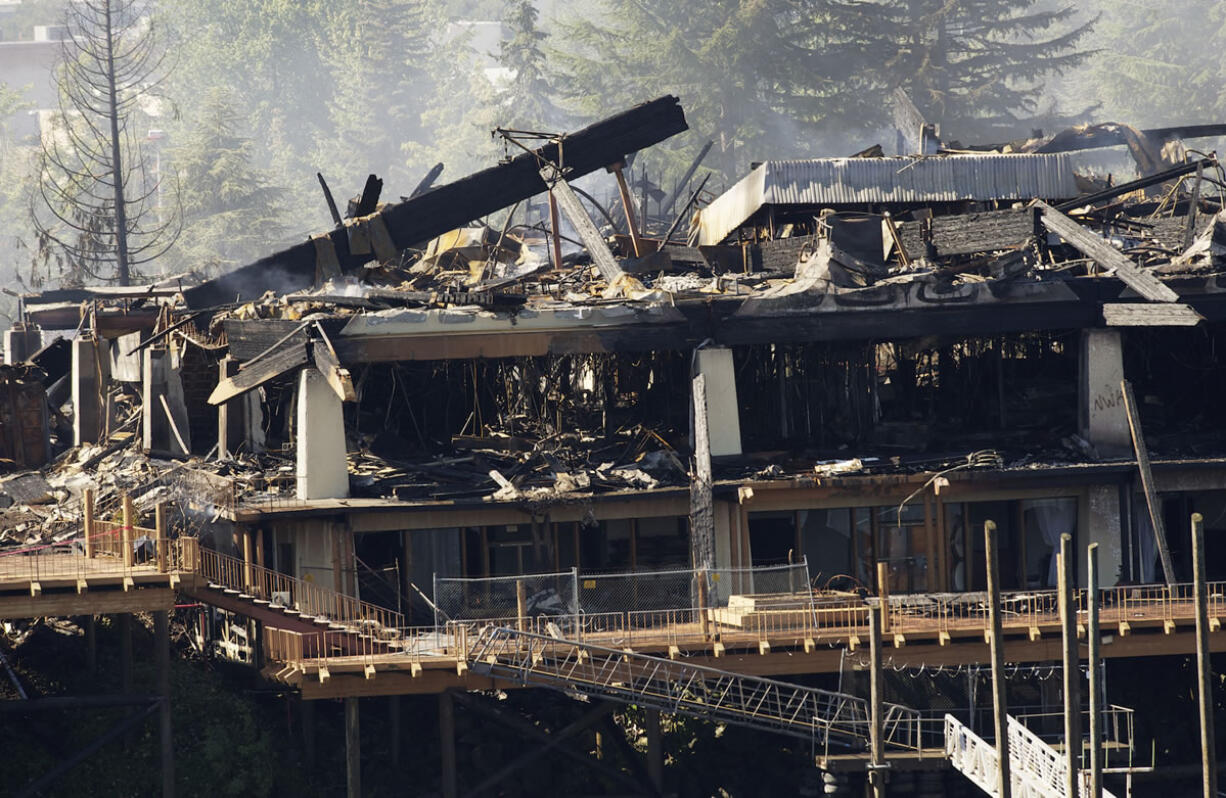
x=571, y=592
x=500, y=596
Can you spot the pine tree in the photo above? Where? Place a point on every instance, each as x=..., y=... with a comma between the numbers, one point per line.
x=527, y=99
x=377, y=51
x=233, y=213
x=1156, y=67
x=977, y=66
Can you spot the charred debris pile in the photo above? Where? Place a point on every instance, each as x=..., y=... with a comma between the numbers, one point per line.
x=511, y=336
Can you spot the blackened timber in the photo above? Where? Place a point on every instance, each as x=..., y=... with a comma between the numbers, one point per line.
x=569, y=202
x=702, y=518
x=290, y=357
x=449, y=206
x=1100, y=250
x=1137, y=185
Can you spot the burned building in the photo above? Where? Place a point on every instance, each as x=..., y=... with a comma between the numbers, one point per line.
x=822, y=382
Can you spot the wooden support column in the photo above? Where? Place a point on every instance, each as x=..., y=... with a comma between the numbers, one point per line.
x=161, y=644
x=353, y=750
x=521, y=600
x=628, y=206
x=129, y=521
x=125, y=663
x=877, y=765
x=446, y=733
x=393, y=724
x=702, y=517
x=1093, y=666
x=999, y=705
x=307, y=711
x=87, y=514
x=91, y=645
x=555, y=234
x=1204, y=667
x=163, y=540
x=1072, y=701
x=883, y=593
x=655, y=751
x=1152, y=501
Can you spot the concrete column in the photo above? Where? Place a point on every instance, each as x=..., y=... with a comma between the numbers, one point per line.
x=723, y=420
x=323, y=471
x=21, y=341
x=1106, y=529
x=231, y=416
x=1102, y=419
x=155, y=428
x=89, y=380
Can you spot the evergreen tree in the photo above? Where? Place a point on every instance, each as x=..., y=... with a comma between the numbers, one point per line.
x=1157, y=67
x=977, y=66
x=377, y=51
x=233, y=212
x=527, y=98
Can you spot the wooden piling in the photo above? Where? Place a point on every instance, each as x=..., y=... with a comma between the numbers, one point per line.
x=1072, y=702
x=876, y=768
x=521, y=602
x=655, y=751
x=1204, y=668
x=353, y=749
x=1094, y=665
x=446, y=729
x=161, y=643
x=999, y=705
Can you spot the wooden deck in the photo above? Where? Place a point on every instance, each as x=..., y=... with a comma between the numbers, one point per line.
x=36, y=584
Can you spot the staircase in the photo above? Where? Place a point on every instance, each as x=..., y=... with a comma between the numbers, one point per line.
x=1036, y=770
x=828, y=718
x=284, y=602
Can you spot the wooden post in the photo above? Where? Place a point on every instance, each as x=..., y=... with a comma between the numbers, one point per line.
x=1204, y=668
x=353, y=750
x=1093, y=663
x=702, y=603
x=307, y=713
x=161, y=643
x=91, y=645
x=446, y=730
x=1147, y=483
x=87, y=514
x=655, y=753
x=999, y=705
x=125, y=538
x=628, y=207
x=877, y=766
x=125, y=663
x=393, y=717
x=163, y=541
x=702, y=514
x=1072, y=702
x=520, y=604
x=555, y=234
x=883, y=592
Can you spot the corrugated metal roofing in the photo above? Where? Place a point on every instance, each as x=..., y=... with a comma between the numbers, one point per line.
x=860, y=181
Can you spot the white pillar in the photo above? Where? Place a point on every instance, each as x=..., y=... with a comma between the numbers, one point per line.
x=1105, y=527
x=323, y=471
x=1102, y=417
x=715, y=363
x=155, y=429
x=89, y=384
x=21, y=341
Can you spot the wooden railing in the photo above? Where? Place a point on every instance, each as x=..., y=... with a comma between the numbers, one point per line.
x=283, y=590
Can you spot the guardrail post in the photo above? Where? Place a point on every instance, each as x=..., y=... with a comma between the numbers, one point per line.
x=883, y=592
x=1072, y=703
x=247, y=560
x=877, y=765
x=1204, y=668
x=1094, y=661
x=87, y=514
x=125, y=538
x=162, y=540
x=1003, y=780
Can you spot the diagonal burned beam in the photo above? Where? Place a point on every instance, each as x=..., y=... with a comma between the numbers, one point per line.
x=447, y=207
x=1101, y=252
x=588, y=234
